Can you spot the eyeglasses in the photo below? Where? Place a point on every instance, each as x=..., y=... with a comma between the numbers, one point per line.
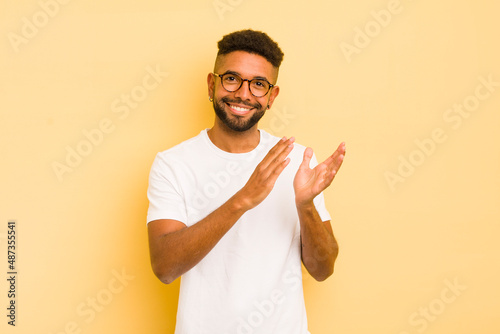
x=232, y=82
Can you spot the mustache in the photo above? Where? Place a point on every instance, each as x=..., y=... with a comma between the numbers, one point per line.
x=240, y=101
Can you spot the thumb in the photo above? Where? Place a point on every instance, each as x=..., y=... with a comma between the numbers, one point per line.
x=308, y=153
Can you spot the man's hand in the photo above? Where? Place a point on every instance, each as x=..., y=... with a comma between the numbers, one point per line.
x=262, y=180
x=309, y=183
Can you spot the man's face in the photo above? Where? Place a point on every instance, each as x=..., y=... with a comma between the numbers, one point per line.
x=240, y=110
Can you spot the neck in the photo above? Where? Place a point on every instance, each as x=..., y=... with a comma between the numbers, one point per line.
x=233, y=141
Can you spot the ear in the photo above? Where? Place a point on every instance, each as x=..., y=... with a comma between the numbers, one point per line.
x=211, y=84
x=272, y=95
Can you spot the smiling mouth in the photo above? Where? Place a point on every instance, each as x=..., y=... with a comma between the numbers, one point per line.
x=238, y=110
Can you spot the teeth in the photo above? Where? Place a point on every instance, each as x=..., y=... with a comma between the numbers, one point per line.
x=239, y=108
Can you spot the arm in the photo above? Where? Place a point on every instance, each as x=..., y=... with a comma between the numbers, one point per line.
x=319, y=247
x=318, y=244
x=175, y=248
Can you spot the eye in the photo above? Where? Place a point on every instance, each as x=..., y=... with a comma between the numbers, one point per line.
x=260, y=84
x=229, y=78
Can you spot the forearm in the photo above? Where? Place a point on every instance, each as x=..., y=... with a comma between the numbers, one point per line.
x=179, y=251
x=318, y=244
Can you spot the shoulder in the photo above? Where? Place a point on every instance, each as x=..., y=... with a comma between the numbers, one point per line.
x=189, y=147
x=181, y=157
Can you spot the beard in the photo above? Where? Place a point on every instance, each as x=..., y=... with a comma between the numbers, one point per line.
x=237, y=123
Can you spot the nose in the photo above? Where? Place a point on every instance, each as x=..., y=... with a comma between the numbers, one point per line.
x=244, y=91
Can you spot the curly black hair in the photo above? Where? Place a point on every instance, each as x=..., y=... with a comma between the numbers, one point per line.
x=252, y=41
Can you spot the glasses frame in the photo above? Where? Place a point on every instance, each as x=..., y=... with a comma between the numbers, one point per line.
x=241, y=84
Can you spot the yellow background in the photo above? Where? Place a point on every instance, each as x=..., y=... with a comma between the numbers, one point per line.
x=402, y=243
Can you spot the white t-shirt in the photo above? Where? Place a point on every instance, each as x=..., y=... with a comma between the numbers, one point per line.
x=251, y=281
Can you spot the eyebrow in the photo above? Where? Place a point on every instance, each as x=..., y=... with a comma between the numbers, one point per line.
x=238, y=74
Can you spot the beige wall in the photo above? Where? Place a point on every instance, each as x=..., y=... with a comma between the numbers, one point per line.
x=411, y=86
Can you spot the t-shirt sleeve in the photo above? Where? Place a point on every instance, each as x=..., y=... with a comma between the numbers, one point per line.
x=319, y=201
x=166, y=200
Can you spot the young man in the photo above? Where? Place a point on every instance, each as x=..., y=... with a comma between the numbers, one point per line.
x=234, y=210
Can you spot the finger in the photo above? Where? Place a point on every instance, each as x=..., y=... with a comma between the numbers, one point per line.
x=278, y=153
x=281, y=157
x=308, y=153
x=273, y=152
x=340, y=150
x=335, y=160
x=329, y=174
x=328, y=179
x=276, y=171
x=334, y=167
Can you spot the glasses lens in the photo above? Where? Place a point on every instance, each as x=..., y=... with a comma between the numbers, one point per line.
x=231, y=82
x=258, y=87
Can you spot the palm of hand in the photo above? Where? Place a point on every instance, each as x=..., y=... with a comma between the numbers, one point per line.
x=308, y=183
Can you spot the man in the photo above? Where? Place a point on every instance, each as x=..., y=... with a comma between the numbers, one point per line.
x=234, y=210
